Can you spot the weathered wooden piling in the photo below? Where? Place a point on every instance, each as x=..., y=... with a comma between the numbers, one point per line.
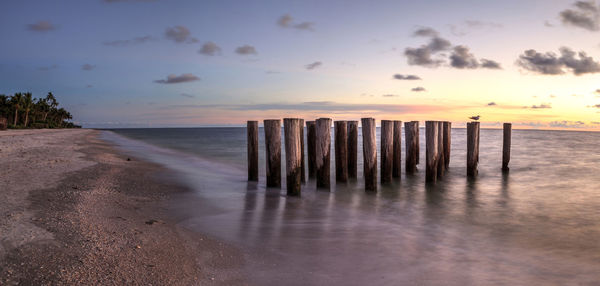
x=352, y=149
x=302, y=156
x=369, y=153
x=273, y=151
x=252, y=132
x=293, y=153
x=311, y=148
x=431, y=151
x=341, y=151
x=323, y=147
x=441, y=165
x=506, y=146
x=387, y=150
x=472, y=148
x=418, y=144
x=397, y=166
x=411, y=153
x=447, y=142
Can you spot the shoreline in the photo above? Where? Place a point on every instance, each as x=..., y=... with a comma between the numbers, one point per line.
x=78, y=212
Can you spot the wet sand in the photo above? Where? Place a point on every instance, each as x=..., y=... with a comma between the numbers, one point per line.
x=73, y=210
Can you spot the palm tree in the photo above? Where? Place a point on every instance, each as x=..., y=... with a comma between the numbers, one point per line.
x=27, y=104
x=17, y=102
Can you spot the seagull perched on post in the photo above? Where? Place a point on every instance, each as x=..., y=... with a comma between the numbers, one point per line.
x=474, y=117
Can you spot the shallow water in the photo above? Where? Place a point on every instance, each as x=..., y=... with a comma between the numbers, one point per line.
x=537, y=225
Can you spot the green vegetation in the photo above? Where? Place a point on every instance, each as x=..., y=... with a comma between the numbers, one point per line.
x=23, y=111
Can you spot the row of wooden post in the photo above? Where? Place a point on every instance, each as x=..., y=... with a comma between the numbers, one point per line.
x=438, y=141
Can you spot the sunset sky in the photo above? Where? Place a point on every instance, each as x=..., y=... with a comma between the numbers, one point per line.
x=119, y=63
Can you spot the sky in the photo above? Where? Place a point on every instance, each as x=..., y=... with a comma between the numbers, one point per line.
x=159, y=63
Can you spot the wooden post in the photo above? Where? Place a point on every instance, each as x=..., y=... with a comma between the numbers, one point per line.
x=352, y=149
x=323, y=148
x=252, y=132
x=397, y=164
x=431, y=148
x=506, y=146
x=418, y=144
x=293, y=153
x=311, y=138
x=341, y=151
x=387, y=150
x=369, y=153
x=472, y=148
x=447, y=142
x=441, y=156
x=410, y=137
x=273, y=152
x=302, y=156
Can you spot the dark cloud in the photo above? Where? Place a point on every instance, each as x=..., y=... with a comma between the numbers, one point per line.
x=418, y=89
x=492, y=104
x=134, y=41
x=246, y=50
x=186, y=77
x=541, y=106
x=313, y=66
x=490, y=64
x=585, y=15
x=425, y=32
x=550, y=64
x=210, y=49
x=179, y=34
x=461, y=58
x=41, y=26
x=88, y=67
x=406, y=77
x=286, y=21
x=430, y=55
x=47, y=68
x=187, y=95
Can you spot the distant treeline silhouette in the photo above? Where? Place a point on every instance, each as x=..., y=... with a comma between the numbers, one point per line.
x=24, y=111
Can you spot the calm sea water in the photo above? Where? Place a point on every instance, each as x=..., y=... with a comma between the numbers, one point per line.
x=537, y=225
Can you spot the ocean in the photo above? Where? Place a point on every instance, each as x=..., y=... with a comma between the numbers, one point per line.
x=539, y=224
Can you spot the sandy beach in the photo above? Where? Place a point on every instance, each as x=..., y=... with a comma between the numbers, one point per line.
x=74, y=210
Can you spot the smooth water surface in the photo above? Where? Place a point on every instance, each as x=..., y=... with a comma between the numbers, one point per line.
x=537, y=225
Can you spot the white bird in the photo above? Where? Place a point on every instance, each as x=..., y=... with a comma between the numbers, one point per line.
x=475, y=117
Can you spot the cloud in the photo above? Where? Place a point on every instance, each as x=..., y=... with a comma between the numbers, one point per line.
x=550, y=64
x=47, y=68
x=390, y=95
x=89, y=86
x=246, y=50
x=461, y=58
x=118, y=1
x=41, y=26
x=134, y=41
x=430, y=55
x=180, y=34
x=491, y=104
x=286, y=21
x=595, y=106
x=313, y=66
x=88, y=67
x=541, y=106
x=418, y=89
x=186, y=77
x=490, y=64
x=597, y=91
x=463, y=28
x=406, y=77
x=187, y=95
x=210, y=49
x=425, y=32
x=482, y=24
x=585, y=15
x=567, y=124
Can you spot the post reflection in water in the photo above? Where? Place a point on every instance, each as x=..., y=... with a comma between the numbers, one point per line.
x=538, y=224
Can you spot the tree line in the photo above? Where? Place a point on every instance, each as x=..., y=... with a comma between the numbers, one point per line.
x=22, y=110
